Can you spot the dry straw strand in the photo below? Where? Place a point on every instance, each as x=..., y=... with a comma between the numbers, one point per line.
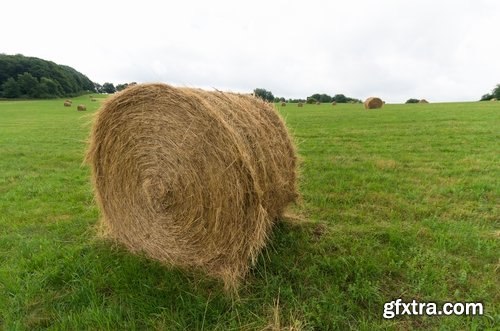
x=191, y=178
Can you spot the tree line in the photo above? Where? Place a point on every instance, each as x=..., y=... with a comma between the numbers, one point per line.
x=111, y=88
x=31, y=77
x=340, y=98
x=317, y=97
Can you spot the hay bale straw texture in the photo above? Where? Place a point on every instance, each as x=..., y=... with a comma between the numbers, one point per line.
x=67, y=104
x=81, y=108
x=191, y=178
x=373, y=103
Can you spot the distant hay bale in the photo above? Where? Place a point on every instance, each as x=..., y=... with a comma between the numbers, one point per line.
x=191, y=178
x=67, y=103
x=300, y=104
x=373, y=103
x=334, y=103
x=93, y=100
x=283, y=104
x=81, y=108
x=423, y=101
x=493, y=99
x=68, y=100
x=318, y=103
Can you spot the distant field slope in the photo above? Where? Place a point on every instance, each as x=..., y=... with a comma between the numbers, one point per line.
x=31, y=77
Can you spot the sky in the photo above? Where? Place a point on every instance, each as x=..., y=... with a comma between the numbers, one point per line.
x=440, y=50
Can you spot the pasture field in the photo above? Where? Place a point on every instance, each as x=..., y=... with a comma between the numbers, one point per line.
x=400, y=202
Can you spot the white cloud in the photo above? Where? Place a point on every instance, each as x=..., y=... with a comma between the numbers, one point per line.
x=441, y=50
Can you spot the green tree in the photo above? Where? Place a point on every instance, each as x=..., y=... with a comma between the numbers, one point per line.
x=40, y=91
x=325, y=98
x=48, y=88
x=412, y=101
x=121, y=87
x=264, y=94
x=340, y=98
x=68, y=81
x=11, y=89
x=108, y=88
x=53, y=87
x=315, y=96
x=494, y=94
x=486, y=97
x=311, y=100
x=27, y=84
x=98, y=88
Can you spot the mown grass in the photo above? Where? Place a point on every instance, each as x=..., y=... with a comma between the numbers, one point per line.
x=401, y=202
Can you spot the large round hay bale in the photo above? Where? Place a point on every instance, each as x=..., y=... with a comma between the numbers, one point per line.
x=423, y=101
x=493, y=99
x=81, y=108
x=334, y=103
x=191, y=178
x=67, y=103
x=318, y=103
x=373, y=103
x=283, y=104
x=300, y=104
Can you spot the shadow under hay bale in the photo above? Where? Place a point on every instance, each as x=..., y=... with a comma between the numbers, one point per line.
x=191, y=178
x=373, y=103
x=81, y=108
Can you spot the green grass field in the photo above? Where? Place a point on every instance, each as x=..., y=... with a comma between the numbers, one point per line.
x=401, y=202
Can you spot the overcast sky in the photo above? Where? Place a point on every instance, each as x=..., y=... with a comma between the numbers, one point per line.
x=441, y=50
